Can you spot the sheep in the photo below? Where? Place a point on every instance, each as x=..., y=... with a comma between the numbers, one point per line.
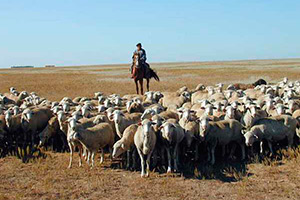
x=122, y=122
x=169, y=115
x=172, y=100
x=94, y=138
x=135, y=107
x=218, y=111
x=269, y=107
x=157, y=96
x=151, y=111
x=149, y=97
x=220, y=133
x=230, y=114
x=259, y=82
x=292, y=106
x=199, y=87
x=35, y=120
x=129, y=97
x=17, y=100
x=250, y=116
x=97, y=95
x=172, y=134
x=191, y=128
x=100, y=119
x=199, y=96
x=254, y=93
x=145, y=140
x=50, y=131
x=66, y=126
x=14, y=127
x=272, y=129
x=126, y=143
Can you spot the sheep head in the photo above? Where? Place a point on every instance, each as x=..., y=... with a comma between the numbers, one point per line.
x=167, y=130
x=203, y=128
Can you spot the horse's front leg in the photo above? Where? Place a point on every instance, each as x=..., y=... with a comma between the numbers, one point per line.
x=148, y=80
x=137, y=87
x=142, y=88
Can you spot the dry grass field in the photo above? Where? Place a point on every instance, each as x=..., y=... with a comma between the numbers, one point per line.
x=50, y=179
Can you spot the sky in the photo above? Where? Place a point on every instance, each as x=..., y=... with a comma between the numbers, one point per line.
x=87, y=32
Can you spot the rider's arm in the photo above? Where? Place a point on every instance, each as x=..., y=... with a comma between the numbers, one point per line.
x=143, y=56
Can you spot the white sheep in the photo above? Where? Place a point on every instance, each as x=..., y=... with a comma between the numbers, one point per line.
x=145, y=140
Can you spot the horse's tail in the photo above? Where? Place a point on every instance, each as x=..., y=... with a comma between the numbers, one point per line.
x=153, y=74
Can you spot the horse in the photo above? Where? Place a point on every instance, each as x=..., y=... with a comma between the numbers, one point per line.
x=141, y=73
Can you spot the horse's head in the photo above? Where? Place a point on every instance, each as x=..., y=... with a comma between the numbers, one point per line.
x=135, y=59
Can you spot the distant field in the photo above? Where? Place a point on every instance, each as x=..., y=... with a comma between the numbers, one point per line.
x=50, y=179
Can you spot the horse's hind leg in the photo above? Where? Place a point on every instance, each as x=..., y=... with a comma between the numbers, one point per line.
x=148, y=81
x=142, y=88
x=137, y=87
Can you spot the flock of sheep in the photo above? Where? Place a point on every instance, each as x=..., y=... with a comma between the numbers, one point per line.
x=160, y=126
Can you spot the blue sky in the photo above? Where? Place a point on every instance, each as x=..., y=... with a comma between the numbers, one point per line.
x=65, y=32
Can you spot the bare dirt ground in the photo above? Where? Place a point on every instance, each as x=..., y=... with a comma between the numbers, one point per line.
x=50, y=179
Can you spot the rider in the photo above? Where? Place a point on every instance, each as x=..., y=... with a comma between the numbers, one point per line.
x=142, y=57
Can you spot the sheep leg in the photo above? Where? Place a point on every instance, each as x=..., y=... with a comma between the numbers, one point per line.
x=134, y=158
x=213, y=159
x=290, y=141
x=64, y=141
x=88, y=158
x=110, y=153
x=142, y=163
x=196, y=152
x=128, y=159
x=175, y=157
x=93, y=159
x=148, y=164
x=169, y=161
x=162, y=152
x=261, y=147
x=209, y=154
x=270, y=147
x=243, y=151
x=71, y=154
x=80, y=152
x=232, y=151
x=102, y=156
x=85, y=154
x=154, y=157
x=223, y=151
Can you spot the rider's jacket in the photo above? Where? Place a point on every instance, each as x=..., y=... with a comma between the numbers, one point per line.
x=142, y=55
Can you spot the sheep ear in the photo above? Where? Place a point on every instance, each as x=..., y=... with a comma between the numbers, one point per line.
x=123, y=146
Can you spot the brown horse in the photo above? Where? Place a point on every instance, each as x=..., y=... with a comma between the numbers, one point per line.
x=141, y=73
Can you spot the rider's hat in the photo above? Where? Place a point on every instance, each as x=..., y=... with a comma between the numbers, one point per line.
x=139, y=44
